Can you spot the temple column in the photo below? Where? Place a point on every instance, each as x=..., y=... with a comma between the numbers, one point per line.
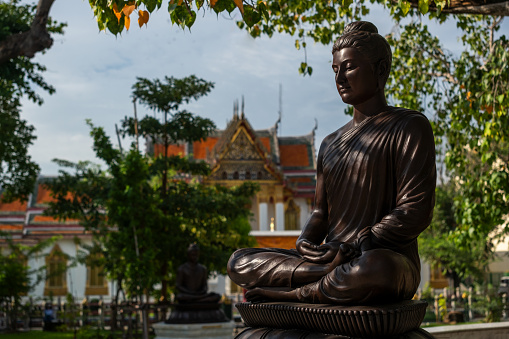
x=263, y=216
x=280, y=216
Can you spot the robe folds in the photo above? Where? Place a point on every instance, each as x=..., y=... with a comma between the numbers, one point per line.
x=379, y=179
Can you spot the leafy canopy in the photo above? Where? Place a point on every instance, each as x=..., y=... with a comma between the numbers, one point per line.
x=16, y=277
x=17, y=79
x=466, y=97
x=146, y=210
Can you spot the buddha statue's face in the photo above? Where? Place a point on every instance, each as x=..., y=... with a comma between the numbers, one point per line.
x=355, y=75
x=192, y=255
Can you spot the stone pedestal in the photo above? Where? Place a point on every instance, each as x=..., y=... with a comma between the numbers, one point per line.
x=202, y=331
x=298, y=320
x=196, y=313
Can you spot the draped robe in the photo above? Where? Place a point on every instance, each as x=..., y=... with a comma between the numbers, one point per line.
x=379, y=178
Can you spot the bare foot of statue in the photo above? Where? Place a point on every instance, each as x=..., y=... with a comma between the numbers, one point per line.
x=264, y=294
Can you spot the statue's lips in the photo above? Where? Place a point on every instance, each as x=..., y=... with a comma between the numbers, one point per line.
x=343, y=89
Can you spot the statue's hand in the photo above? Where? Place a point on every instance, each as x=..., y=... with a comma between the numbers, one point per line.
x=319, y=254
x=346, y=252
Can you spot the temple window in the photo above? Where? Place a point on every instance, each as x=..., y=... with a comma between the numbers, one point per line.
x=292, y=216
x=248, y=175
x=437, y=279
x=96, y=280
x=224, y=176
x=236, y=175
x=56, y=268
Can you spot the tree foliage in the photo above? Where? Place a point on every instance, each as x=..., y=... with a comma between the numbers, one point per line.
x=459, y=263
x=466, y=96
x=16, y=277
x=318, y=21
x=18, y=75
x=145, y=211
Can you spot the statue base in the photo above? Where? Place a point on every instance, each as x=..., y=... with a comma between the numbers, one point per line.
x=321, y=321
x=202, y=331
x=196, y=313
x=270, y=333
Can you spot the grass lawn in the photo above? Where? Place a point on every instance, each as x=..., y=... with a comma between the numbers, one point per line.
x=37, y=335
x=82, y=334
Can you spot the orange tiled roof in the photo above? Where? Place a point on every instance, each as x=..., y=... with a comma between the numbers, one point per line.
x=15, y=206
x=44, y=218
x=286, y=242
x=172, y=149
x=11, y=227
x=60, y=232
x=47, y=218
x=200, y=147
x=294, y=155
x=43, y=195
x=266, y=142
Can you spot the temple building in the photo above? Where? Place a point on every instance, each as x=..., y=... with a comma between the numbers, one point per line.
x=284, y=167
x=26, y=224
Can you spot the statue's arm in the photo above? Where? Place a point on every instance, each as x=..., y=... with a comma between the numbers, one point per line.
x=415, y=174
x=315, y=229
x=179, y=283
x=204, y=282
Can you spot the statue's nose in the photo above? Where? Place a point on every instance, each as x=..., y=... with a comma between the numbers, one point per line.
x=340, y=77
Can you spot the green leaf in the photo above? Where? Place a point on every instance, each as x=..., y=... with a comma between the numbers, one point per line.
x=251, y=16
x=405, y=6
x=347, y=3
x=191, y=18
x=302, y=68
x=424, y=6
x=171, y=7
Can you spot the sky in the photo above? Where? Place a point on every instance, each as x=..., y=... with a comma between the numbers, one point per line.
x=93, y=73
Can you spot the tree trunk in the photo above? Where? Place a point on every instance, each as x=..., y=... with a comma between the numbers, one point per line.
x=454, y=280
x=34, y=40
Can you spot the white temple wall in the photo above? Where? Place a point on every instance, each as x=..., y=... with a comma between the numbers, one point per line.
x=305, y=210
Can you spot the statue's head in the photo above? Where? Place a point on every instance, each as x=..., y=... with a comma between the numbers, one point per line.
x=364, y=37
x=193, y=252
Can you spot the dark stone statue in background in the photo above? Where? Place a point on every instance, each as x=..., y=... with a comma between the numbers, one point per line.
x=374, y=195
x=194, y=303
x=192, y=280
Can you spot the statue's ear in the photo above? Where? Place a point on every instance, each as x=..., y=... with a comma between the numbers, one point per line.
x=382, y=72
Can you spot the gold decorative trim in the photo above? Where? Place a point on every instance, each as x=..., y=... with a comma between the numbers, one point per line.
x=96, y=290
x=55, y=291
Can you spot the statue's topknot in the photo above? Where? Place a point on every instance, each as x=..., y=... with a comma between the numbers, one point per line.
x=360, y=26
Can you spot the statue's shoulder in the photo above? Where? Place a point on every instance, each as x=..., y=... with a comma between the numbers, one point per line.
x=336, y=134
x=409, y=120
x=412, y=126
x=407, y=114
x=182, y=267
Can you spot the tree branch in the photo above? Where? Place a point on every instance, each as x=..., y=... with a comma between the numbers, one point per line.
x=495, y=8
x=32, y=41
